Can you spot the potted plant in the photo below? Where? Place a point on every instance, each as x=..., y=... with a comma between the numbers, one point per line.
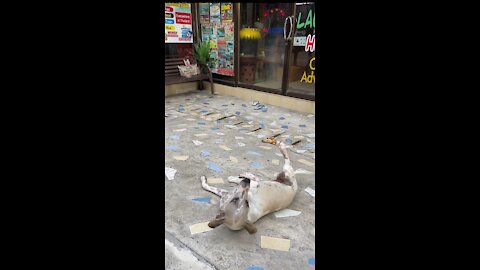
x=202, y=55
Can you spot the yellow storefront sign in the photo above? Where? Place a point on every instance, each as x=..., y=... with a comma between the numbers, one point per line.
x=169, y=27
x=183, y=5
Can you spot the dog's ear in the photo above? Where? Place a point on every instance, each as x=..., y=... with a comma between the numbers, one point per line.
x=251, y=229
x=216, y=222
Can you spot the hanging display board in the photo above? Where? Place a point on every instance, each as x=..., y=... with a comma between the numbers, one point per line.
x=178, y=23
x=217, y=28
x=305, y=25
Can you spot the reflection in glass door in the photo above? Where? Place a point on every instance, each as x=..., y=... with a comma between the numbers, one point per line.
x=262, y=44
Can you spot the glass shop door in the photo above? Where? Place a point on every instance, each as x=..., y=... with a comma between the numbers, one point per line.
x=263, y=45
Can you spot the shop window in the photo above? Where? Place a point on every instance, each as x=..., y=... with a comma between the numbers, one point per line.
x=302, y=61
x=178, y=31
x=217, y=28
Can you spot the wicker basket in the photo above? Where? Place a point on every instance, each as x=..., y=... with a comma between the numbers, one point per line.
x=188, y=70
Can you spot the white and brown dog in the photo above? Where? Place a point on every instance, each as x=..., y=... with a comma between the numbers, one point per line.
x=252, y=199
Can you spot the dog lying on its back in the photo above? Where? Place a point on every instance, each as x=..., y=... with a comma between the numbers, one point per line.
x=252, y=199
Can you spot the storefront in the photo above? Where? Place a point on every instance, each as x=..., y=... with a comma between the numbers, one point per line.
x=267, y=47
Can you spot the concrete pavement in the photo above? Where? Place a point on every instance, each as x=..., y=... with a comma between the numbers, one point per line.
x=229, y=147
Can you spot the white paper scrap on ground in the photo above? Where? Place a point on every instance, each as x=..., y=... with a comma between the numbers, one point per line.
x=231, y=126
x=310, y=115
x=287, y=213
x=308, y=163
x=261, y=136
x=199, y=228
x=225, y=148
x=233, y=159
x=183, y=158
x=201, y=135
x=275, y=161
x=170, y=173
x=197, y=143
x=239, y=138
x=275, y=243
x=301, y=151
x=302, y=171
x=215, y=181
x=285, y=136
x=241, y=144
x=310, y=191
x=219, y=133
x=180, y=130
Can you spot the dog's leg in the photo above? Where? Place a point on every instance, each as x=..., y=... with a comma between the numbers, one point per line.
x=217, y=191
x=287, y=167
x=287, y=176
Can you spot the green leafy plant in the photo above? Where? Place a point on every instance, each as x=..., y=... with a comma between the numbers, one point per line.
x=202, y=53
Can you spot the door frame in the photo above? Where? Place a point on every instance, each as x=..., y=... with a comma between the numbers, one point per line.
x=288, y=52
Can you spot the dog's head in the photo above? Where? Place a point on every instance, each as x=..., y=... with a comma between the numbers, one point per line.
x=234, y=209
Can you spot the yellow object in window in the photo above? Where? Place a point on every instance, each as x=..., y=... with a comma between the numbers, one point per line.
x=249, y=33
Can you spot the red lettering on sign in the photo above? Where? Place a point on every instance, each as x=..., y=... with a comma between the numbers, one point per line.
x=168, y=9
x=183, y=21
x=310, y=45
x=183, y=18
x=183, y=15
